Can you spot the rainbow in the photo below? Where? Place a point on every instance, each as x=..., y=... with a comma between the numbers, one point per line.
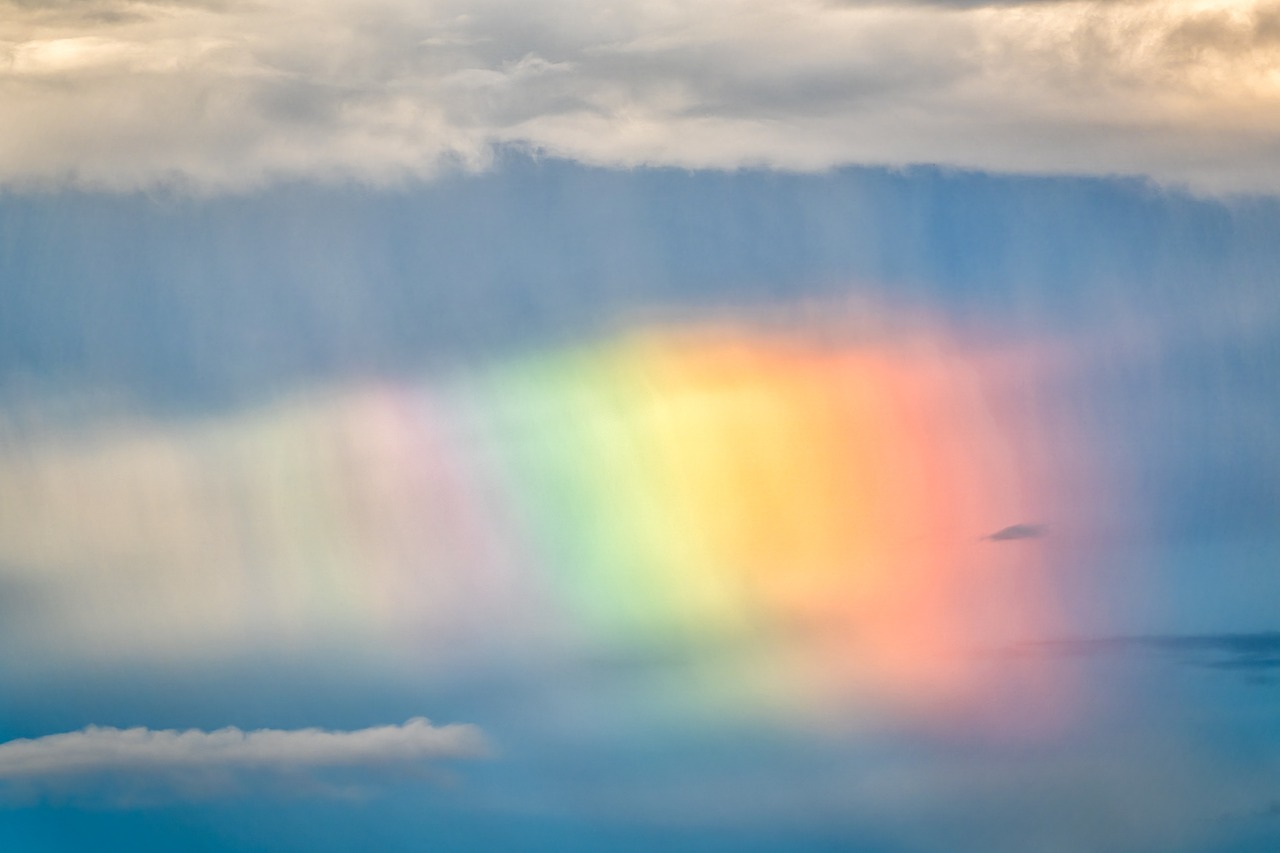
x=696, y=488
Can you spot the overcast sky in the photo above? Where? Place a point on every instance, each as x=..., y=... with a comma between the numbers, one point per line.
x=104, y=93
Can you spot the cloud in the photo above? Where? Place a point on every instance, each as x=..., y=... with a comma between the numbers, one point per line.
x=109, y=93
x=1016, y=531
x=97, y=750
x=1253, y=654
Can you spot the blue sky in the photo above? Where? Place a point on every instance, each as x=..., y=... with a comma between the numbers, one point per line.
x=317, y=352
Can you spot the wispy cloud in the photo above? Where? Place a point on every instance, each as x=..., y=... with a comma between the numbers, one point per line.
x=98, y=750
x=128, y=94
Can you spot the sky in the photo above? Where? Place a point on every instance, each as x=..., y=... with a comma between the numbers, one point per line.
x=561, y=426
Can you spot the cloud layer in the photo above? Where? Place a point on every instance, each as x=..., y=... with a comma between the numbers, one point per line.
x=104, y=749
x=230, y=95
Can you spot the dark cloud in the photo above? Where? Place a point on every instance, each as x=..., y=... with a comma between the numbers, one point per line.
x=1016, y=531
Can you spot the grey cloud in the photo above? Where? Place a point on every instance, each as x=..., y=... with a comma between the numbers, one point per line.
x=1016, y=531
x=97, y=750
x=226, y=96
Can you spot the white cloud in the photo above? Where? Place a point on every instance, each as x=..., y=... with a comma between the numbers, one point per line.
x=225, y=95
x=98, y=749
